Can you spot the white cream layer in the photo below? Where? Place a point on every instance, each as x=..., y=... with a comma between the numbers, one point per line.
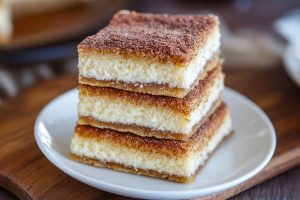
x=131, y=70
x=116, y=110
x=180, y=165
x=199, y=159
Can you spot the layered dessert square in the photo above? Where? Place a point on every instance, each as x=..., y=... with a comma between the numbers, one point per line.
x=164, y=158
x=156, y=54
x=150, y=95
x=150, y=115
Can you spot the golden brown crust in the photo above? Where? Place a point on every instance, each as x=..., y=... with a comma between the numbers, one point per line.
x=128, y=169
x=162, y=146
x=161, y=37
x=145, y=131
x=152, y=173
x=184, y=105
x=153, y=88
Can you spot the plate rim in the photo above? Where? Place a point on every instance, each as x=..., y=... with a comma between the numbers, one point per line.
x=143, y=193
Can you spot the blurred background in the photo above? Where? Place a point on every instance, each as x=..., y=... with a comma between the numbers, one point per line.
x=38, y=39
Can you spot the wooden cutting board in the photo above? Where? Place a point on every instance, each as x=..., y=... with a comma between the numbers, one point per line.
x=29, y=175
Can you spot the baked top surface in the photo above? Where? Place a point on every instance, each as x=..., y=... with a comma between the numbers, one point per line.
x=185, y=105
x=158, y=36
x=164, y=146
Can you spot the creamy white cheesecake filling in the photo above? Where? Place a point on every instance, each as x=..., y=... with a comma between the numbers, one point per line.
x=199, y=159
x=213, y=94
x=116, y=110
x=132, y=70
x=177, y=165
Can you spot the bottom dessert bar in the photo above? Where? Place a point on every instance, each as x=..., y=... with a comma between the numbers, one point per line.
x=174, y=160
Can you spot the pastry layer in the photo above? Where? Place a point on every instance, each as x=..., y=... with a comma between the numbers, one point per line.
x=171, y=50
x=145, y=131
x=172, y=159
x=152, y=88
x=158, y=113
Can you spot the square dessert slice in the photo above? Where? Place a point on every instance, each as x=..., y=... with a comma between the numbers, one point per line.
x=157, y=54
x=163, y=158
x=150, y=115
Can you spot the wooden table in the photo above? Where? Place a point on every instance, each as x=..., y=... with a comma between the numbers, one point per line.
x=28, y=174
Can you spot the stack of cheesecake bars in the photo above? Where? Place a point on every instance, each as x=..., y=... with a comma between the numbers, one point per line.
x=150, y=95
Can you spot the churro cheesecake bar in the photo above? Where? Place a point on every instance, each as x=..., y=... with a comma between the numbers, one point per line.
x=163, y=158
x=150, y=115
x=157, y=54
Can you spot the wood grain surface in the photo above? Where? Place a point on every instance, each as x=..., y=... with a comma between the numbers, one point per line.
x=63, y=24
x=284, y=186
x=29, y=175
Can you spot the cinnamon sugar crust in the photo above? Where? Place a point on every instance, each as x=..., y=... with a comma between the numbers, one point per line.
x=160, y=37
x=153, y=88
x=184, y=105
x=167, y=147
x=145, y=131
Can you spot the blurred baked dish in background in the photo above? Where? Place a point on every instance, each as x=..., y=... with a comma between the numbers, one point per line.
x=27, y=23
x=12, y=9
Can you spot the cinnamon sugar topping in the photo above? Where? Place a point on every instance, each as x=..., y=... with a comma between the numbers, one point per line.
x=161, y=37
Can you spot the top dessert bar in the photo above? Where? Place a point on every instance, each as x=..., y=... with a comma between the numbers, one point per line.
x=157, y=54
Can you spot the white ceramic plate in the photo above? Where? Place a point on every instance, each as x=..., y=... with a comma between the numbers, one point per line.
x=291, y=58
x=238, y=159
